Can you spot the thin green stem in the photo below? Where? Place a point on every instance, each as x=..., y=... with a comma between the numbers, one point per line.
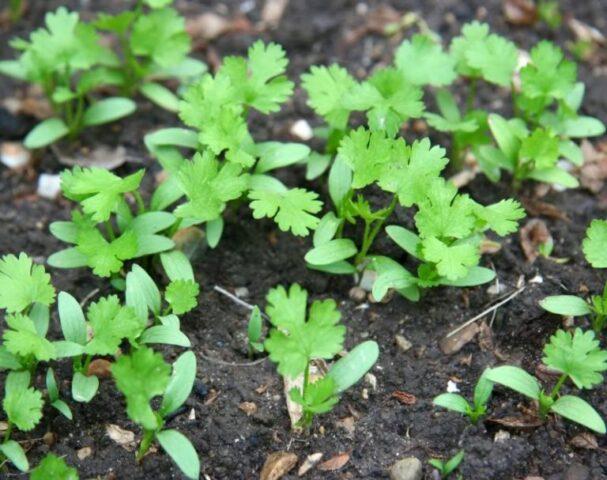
x=9, y=430
x=140, y=204
x=306, y=379
x=555, y=391
x=471, y=98
x=146, y=441
x=372, y=229
x=110, y=229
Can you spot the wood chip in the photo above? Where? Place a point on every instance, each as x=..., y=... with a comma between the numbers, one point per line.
x=101, y=156
x=585, y=440
x=520, y=12
x=532, y=235
x=593, y=173
x=454, y=343
x=404, y=397
x=309, y=463
x=277, y=465
x=335, y=463
x=295, y=410
x=124, y=438
x=248, y=407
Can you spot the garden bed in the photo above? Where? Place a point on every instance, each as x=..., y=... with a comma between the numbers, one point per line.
x=371, y=424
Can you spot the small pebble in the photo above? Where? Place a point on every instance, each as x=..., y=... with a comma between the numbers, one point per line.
x=14, y=155
x=241, y=292
x=357, y=294
x=302, y=130
x=409, y=468
x=501, y=436
x=403, y=343
x=49, y=186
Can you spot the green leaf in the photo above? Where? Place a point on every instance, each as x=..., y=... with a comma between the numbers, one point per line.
x=555, y=175
x=181, y=450
x=501, y=217
x=494, y=57
x=152, y=222
x=208, y=187
x=541, y=148
x=22, y=404
x=182, y=295
x=326, y=88
x=350, y=369
x=331, y=252
x=569, y=305
x=273, y=155
x=53, y=467
x=319, y=397
x=476, y=276
x=577, y=355
x=326, y=230
x=214, y=232
x=452, y=261
x=505, y=133
x=165, y=334
x=45, y=133
x=22, y=340
x=84, y=388
x=581, y=127
x=161, y=36
x=108, y=110
x=452, y=401
x=67, y=258
x=423, y=62
x=23, y=283
x=13, y=68
x=405, y=239
x=254, y=327
x=482, y=390
x=99, y=191
x=390, y=275
x=106, y=257
x=516, y=379
x=294, y=342
x=292, y=210
x=572, y=152
x=14, y=452
x=177, y=266
x=453, y=462
x=140, y=377
x=595, y=243
x=139, y=283
x=579, y=411
x=181, y=383
x=71, y=319
x=340, y=182
x=160, y=95
x=178, y=137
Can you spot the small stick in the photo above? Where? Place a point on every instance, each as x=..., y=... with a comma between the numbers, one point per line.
x=90, y=295
x=232, y=364
x=485, y=312
x=237, y=300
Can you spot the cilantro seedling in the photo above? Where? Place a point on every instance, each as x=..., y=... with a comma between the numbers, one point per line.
x=457, y=403
x=295, y=342
x=576, y=357
x=596, y=305
x=108, y=230
x=229, y=166
x=67, y=60
x=446, y=468
x=153, y=45
x=254, y=331
x=144, y=375
x=53, y=467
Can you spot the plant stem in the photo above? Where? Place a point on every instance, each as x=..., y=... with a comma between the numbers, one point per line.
x=140, y=202
x=306, y=379
x=372, y=228
x=146, y=441
x=471, y=94
x=9, y=430
x=110, y=229
x=557, y=387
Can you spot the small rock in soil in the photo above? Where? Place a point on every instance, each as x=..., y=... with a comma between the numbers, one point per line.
x=335, y=463
x=357, y=294
x=14, y=155
x=84, y=452
x=49, y=186
x=248, y=407
x=501, y=436
x=301, y=129
x=409, y=468
x=124, y=438
x=403, y=343
x=309, y=463
x=49, y=438
x=371, y=380
x=241, y=292
x=277, y=465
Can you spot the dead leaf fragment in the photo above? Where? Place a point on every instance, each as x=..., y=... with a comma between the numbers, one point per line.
x=101, y=156
x=523, y=422
x=309, y=463
x=520, y=12
x=124, y=438
x=272, y=12
x=454, y=343
x=585, y=32
x=593, y=172
x=585, y=440
x=376, y=22
x=248, y=407
x=295, y=409
x=209, y=26
x=485, y=337
x=277, y=465
x=404, y=397
x=536, y=208
x=335, y=463
x=348, y=424
x=100, y=368
x=84, y=452
x=533, y=235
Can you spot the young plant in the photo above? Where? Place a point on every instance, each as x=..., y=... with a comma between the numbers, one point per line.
x=229, y=165
x=111, y=323
x=68, y=62
x=576, y=357
x=457, y=403
x=144, y=375
x=153, y=45
x=596, y=306
x=295, y=342
x=106, y=231
x=254, y=330
x=53, y=467
x=446, y=468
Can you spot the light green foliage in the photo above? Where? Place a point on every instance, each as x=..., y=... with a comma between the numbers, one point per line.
x=23, y=283
x=292, y=210
x=182, y=295
x=294, y=342
x=423, y=62
x=141, y=377
x=208, y=186
x=53, y=467
x=446, y=468
x=327, y=88
x=319, y=397
x=595, y=244
x=98, y=190
x=22, y=339
x=22, y=404
x=578, y=356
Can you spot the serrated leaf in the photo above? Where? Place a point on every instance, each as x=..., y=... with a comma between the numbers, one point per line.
x=423, y=62
x=23, y=283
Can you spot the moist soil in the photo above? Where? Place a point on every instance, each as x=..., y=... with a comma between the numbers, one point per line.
x=253, y=255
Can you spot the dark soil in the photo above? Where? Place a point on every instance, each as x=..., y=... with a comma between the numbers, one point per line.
x=232, y=445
